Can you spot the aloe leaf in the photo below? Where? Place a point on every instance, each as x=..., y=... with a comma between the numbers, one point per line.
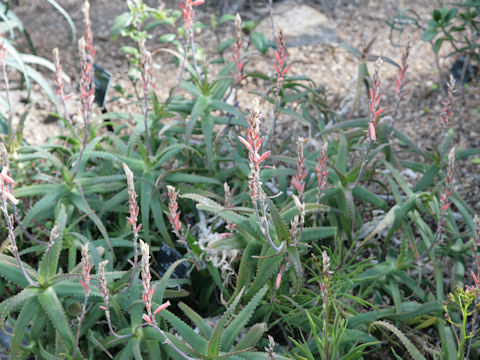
x=241, y=319
x=265, y=269
x=10, y=271
x=171, y=151
x=161, y=285
x=53, y=308
x=82, y=205
x=405, y=341
x=427, y=178
x=297, y=265
x=158, y=218
x=177, y=177
x=196, y=341
x=281, y=229
x=17, y=63
x=74, y=288
x=10, y=304
x=202, y=200
x=246, y=268
x=45, y=354
x=213, y=347
x=318, y=233
x=201, y=105
x=146, y=191
x=40, y=80
x=207, y=130
x=34, y=190
x=50, y=258
x=363, y=194
x=253, y=335
x=242, y=223
x=45, y=206
x=26, y=315
x=230, y=109
x=203, y=326
x=37, y=60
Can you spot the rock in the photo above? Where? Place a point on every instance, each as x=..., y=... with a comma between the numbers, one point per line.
x=301, y=25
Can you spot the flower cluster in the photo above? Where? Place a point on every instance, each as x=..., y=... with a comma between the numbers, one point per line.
x=447, y=105
x=87, y=52
x=103, y=286
x=400, y=80
x=148, y=290
x=174, y=216
x=253, y=144
x=322, y=171
x=188, y=13
x=445, y=196
x=58, y=76
x=301, y=173
x=280, y=65
x=86, y=268
x=374, y=102
x=237, y=56
x=132, y=201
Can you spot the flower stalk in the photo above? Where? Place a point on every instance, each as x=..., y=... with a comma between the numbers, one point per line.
x=281, y=69
x=146, y=69
x=174, y=219
x=87, y=84
x=253, y=143
x=132, y=220
x=61, y=91
x=85, y=281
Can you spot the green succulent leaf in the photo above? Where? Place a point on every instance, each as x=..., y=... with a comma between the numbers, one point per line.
x=53, y=308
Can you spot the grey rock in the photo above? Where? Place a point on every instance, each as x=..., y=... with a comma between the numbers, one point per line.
x=301, y=25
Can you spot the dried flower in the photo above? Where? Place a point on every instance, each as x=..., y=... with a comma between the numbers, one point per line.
x=374, y=102
x=86, y=268
x=103, y=288
x=445, y=197
x=322, y=171
x=447, y=109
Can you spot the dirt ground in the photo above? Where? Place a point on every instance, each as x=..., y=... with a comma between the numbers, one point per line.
x=331, y=67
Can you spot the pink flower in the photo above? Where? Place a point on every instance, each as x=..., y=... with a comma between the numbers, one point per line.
x=161, y=307
x=7, y=190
